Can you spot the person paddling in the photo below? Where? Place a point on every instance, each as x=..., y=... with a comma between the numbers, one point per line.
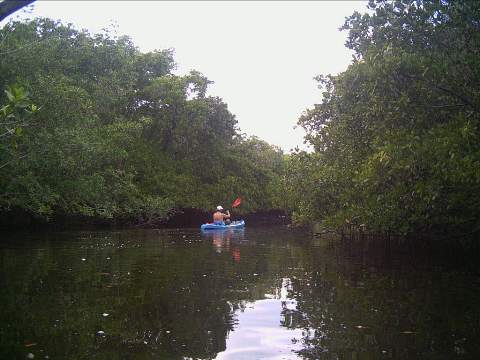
x=220, y=218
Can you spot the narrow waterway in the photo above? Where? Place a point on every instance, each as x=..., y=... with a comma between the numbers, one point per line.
x=257, y=293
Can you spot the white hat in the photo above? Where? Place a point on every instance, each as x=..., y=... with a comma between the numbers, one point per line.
x=219, y=207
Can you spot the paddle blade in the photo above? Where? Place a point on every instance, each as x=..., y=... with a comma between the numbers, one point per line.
x=237, y=202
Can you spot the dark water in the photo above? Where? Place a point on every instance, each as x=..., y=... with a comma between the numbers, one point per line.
x=255, y=294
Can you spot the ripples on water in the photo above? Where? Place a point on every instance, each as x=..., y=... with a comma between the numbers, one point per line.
x=268, y=293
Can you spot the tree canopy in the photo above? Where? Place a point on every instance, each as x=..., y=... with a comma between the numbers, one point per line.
x=396, y=136
x=91, y=126
x=94, y=127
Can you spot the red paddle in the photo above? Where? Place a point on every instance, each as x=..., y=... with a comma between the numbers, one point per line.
x=237, y=202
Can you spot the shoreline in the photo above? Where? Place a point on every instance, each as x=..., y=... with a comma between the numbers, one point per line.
x=177, y=218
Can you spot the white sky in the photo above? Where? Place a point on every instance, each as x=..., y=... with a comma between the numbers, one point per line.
x=261, y=55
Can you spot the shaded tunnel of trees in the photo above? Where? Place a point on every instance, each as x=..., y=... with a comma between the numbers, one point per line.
x=92, y=128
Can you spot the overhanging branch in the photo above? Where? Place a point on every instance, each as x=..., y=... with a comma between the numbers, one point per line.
x=8, y=7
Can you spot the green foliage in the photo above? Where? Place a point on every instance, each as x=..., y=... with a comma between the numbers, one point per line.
x=254, y=169
x=118, y=135
x=16, y=113
x=396, y=136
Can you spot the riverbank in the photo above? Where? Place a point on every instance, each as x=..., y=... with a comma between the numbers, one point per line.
x=176, y=218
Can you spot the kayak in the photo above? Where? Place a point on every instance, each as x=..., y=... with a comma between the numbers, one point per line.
x=233, y=225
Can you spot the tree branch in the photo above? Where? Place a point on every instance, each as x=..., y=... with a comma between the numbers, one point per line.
x=8, y=7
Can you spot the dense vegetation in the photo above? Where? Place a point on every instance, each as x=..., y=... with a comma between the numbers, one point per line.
x=396, y=136
x=93, y=127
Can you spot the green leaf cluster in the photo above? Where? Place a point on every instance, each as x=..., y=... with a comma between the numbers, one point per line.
x=97, y=128
x=396, y=136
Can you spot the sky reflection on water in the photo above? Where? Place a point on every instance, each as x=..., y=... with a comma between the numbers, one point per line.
x=259, y=333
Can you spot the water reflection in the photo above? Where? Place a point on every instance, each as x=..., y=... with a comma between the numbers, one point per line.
x=262, y=330
x=243, y=294
x=372, y=300
x=230, y=241
x=222, y=239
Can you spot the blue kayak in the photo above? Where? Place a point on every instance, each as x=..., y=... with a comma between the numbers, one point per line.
x=233, y=225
